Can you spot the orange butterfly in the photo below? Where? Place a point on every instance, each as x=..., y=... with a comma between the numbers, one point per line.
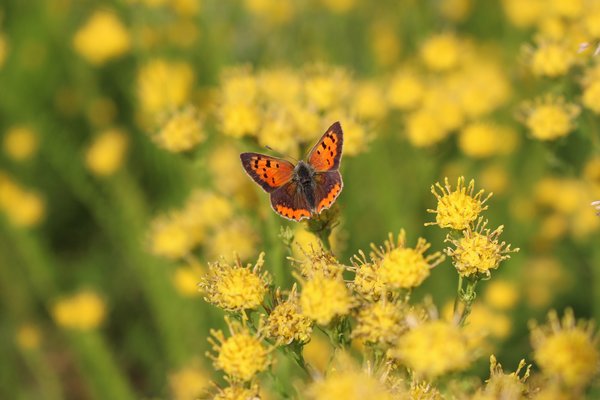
x=302, y=190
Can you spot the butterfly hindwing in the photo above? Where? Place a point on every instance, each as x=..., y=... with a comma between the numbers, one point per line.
x=269, y=172
x=327, y=153
x=289, y=202
x=328, y=187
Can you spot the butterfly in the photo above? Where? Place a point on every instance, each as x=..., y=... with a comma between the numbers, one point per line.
x=307, y=188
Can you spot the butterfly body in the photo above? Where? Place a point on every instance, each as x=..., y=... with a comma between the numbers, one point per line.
x=302, y=190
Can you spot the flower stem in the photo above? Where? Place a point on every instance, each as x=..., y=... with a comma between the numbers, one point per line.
x=465, y=297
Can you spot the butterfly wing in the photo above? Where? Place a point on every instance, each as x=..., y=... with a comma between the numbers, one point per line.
x=328, y=187
x=289, y=202
x=269, y=172
x=327, y=153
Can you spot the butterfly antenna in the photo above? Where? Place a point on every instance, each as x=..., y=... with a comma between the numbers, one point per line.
x=280, y=154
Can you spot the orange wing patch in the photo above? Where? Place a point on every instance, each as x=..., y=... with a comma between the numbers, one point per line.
x=326, y=154
x=290, y=213
x=330, y=198
x=269, y=172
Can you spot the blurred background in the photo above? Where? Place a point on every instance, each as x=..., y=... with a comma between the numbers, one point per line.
x=121, y=125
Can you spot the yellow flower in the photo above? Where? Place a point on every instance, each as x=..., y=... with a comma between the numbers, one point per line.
x=385, y=43
x=186, y=278
x=24, y=208
x=441, y=52
x=504, y=386
x=239, y=119
x=237, y=236
x=433, y=348
x=501, y=295
x=82, y=311
x=368, y=101
x=524, y=13
x=545, y=278
x=106, y=153
x=170, y=237
x=456, y=10
x=495, y=177
x=552, y=58
x=280, y=86
x=401, y=267
x=324, y=298
x=405, y=90
x=277, y=132
x=316, y=261
x=183, y=131
x=325, y=86
x=566, y=350
x=227, y=176
x=459, y=208
x=272, y=11
x=350, y=384
x=318, y=352
x=441, y=103
x=482, y=139
x=28, y=337
x=424, y=129
x=242, y=355
x=478, y=251
x=102, y=38
x=367, y=280
x=3, y=49
x=238, y=392
x=189, y=382
x=205, y=209
x=238, y=86
x=567, y=8
x=550, y=117
x=235, y=287
x=163, y=85
x=20, y=143
x=380, y=322
x=286, y=322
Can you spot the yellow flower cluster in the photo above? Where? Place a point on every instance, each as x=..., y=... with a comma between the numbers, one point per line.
x=106, y=153
x=23, y=207
x=102, y=38
x=288, y=110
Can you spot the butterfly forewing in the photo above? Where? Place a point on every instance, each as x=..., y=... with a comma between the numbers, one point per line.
x=269, y=172
x=327, y=153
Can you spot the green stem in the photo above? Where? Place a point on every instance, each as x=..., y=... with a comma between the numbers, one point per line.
x=465, y=297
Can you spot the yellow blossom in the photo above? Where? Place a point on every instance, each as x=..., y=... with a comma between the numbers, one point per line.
x=591, y=96
x=277, y=132
x=20, y=143
x=163, y=85
x=24, y=208
x=348, y=384
x=286, y=322
x=227, y=176
x=317, y=261
x=433, y=348
x=380, y=322
x=272, y=11
x=189, y=382
x=204, y=209
x=186, y=278
x=546, y=279
x=459, y=208
x=441, y=52
x=478, y=251
x=551, y=58
x=235, y=287
x=102, y=38
x=550, y=117
x=241, y=355
x=504, y=386
x=441, y=103
x=28, y=337
x=424, y=129
x=501, y=294
x=170, y=237
x=239, y=119
x=238, y=86
x=106, y=153
x=402, y=267
x=385, y=43
x=405, y=90
x=3, y=49
x=325, y=86
x=183, y=131
x=82, y=311
x=318, y=352
x=367, y=281
x=524, y=13
x=237, y=236
x=282, y=86
x=481, y=139
x=566, y=349
x=456, y=10
x=567, y=8
x=495, y=178
x=237, y=392
x=324, y=298
x=368, y=101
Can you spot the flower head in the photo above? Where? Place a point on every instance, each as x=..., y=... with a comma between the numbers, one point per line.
x=238, y=392
x=367, y=281
x=401, y=267
x=20, y=143
x=235, y=287
x=103, y=37
x=566, y=349
x=241, y=355
x=549, y=117
x=82, y=311
x=478, y=251
x=182, y=131
x=380, y=322
x=459, y=208
x=189, y=382
x=325, y=297
x=433, y=348
x=286, y=322
x=164, y=85
x=504, y=386
x=170, y=236
x=551, y=58
x=107, y=152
